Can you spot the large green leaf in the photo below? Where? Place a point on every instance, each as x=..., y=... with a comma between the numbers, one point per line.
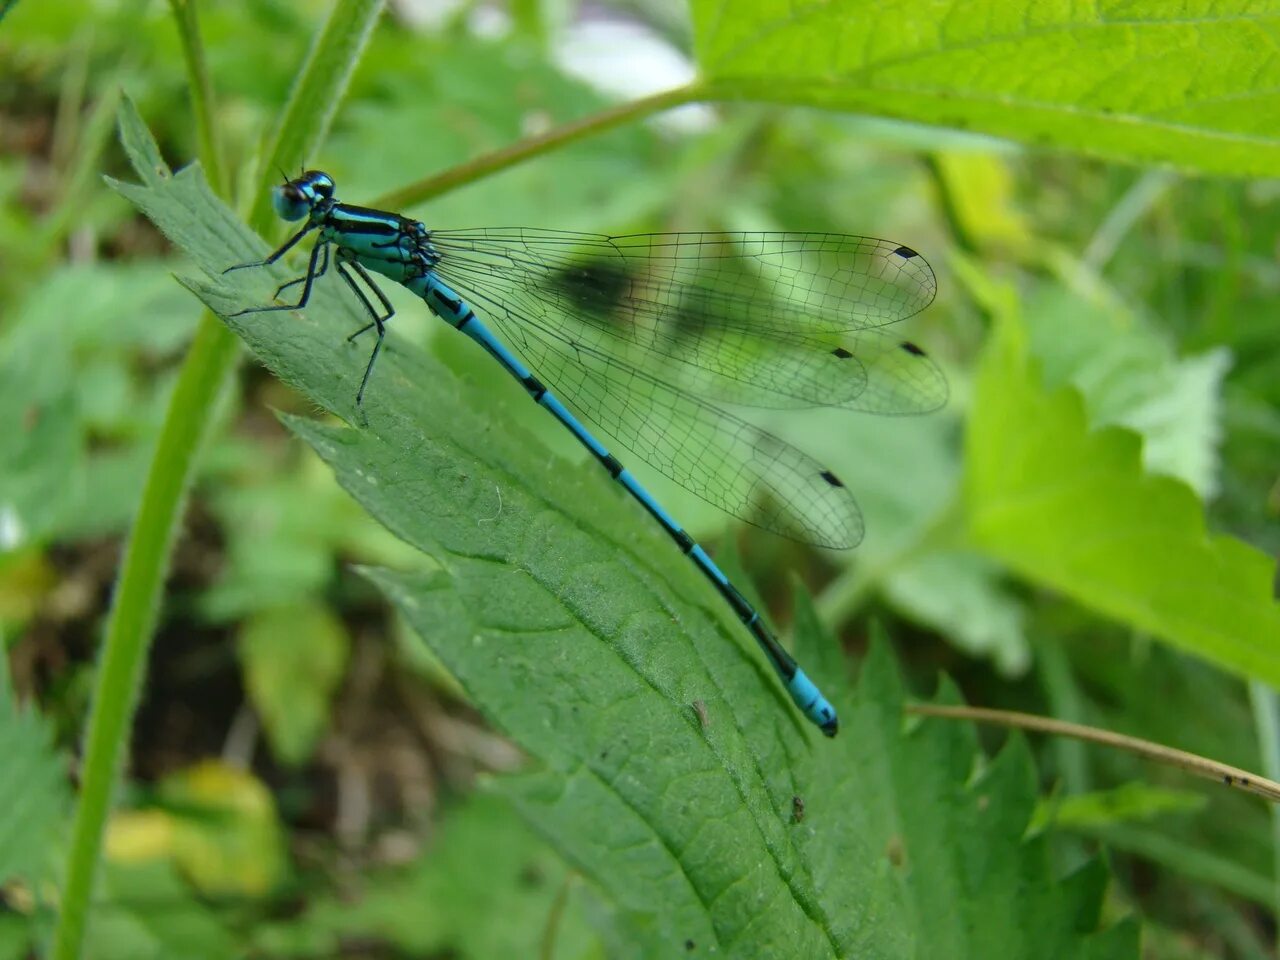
x=730, y=842
x=672, y=770
x=1071, y=508
x=1192, y=83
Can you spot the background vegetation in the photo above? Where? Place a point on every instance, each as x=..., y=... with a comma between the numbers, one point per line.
x=433, y=688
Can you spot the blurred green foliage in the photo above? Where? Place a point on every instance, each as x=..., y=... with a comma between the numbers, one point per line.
x=1085, y=532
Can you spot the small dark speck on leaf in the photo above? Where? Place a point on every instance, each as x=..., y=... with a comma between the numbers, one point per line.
x=894, y=851
x=797, y=809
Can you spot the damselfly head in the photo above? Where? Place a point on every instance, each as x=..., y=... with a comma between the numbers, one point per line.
x=294, y=199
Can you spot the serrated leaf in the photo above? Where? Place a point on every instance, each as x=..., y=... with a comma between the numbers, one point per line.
x=898, y=850
x=670, y=757
x=1130, y=375
x=1193, y=83
x=1072, y=509
x=138, y=143
x=33, y=787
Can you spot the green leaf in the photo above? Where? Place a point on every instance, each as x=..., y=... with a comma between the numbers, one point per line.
x=294, y=658
x=1193, y=84
x=1206, y=867
x=574, y=625
x=894, y=830
x=1131, y=687
x=33, y=787
x=1101, y=808
x=148, y=910
x=44, y=477
x=485, y=864
x=67, y=394
x=908, y=492
x=1129, y=374
x=961, y=595
x=17, y=938
x=1071, y=508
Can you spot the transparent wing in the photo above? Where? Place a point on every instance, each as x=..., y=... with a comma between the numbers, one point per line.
x=764, y=319
x=728, y=462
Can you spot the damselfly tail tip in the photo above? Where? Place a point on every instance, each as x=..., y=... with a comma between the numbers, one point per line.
x=832, y=726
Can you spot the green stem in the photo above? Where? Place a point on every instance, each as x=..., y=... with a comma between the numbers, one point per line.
x=1266, y=720
x=71, y=99
x=206, y=369
x=555, y=915
x=1066, y=701
x=315, y=96
x=210, y=146
x=522, y=150
x=80, y=175
x=84, y=144
x=133, y=616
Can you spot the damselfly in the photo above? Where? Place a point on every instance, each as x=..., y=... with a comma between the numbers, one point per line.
x=646, y=335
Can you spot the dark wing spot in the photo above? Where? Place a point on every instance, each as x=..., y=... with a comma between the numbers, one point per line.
x=599, y=287
x=842, y=353
x=831, y=478
x=906, y=253
x=911, y=348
